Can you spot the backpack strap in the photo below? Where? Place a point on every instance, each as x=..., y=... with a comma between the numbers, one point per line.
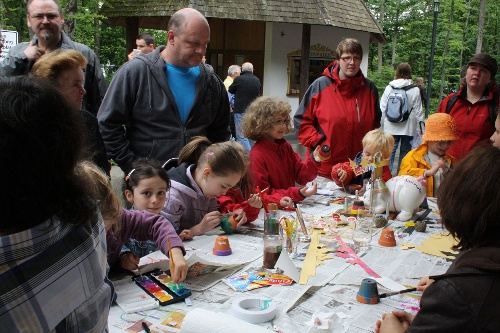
x=492, y=105
x=406, y=88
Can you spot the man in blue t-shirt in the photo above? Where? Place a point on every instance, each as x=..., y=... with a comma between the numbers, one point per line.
x=158, y=101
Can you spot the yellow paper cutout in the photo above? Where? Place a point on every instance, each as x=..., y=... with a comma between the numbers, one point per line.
x=435, y=245
x=314, y=257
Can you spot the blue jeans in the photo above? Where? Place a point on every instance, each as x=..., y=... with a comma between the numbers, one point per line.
x=247, y=144
x=404, y=149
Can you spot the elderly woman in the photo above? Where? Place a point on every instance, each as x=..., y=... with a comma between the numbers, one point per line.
x=467, y=297
x=474, y=106
x=64, y=68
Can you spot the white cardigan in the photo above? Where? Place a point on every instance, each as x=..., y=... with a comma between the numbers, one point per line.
x=414, y=103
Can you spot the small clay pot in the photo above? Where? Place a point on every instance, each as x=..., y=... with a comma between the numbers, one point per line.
x=380, y=221
x=368, y=292
x=420, y=226
x=228, y=224
x=221, y=246
x=387, y=237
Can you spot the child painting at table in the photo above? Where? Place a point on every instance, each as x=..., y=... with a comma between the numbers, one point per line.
x=375, y=143
x=122, y=224
x=273, y=162
x=145, y=189
x=430, y=159
x=205, y=171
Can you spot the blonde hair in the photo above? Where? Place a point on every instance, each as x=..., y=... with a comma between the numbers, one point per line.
x=100, y=188
x=259, y=116
x=53, y=64
x=378, y=140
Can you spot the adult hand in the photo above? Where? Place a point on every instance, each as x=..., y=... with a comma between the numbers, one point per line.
x=390, y=323
x=179, y=272
x=255, y=201
x=308, y=191
x=33, y=52
x=129, y=261
x=424, y=283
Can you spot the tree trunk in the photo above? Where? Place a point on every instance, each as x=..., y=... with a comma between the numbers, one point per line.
x=395, y=38
x=69, y=24
x=464, y=33
x=480, y=27
x=379, y=46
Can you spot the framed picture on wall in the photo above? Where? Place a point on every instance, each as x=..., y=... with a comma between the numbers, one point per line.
x=239, y=59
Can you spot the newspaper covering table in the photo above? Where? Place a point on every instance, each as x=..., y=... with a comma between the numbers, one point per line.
x=331, y=291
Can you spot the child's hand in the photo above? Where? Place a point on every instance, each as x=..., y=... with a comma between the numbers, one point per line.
x=255, y=201
x=129, y=261
x=424, y=283
x=209, y=221
x=438, y=164
x=186, y=234
x=342, y=174
x=180, y=268
x=308, y=191
x=241, y=217
x=286, y=202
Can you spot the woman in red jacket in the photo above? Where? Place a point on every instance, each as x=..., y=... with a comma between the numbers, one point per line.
x=339, y=108
x=473, y=106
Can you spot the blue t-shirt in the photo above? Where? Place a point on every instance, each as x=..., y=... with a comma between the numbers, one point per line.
x=182, y=83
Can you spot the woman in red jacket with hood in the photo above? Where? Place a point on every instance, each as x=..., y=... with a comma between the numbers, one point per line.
x=339, y=108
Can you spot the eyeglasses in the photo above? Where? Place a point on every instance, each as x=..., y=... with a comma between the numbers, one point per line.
x=40, y=17
x=348, y=59
x=282, y=122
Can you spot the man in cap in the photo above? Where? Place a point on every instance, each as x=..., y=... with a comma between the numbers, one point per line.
x=474, y=107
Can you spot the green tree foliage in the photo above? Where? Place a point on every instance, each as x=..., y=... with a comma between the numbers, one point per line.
x=413, y=20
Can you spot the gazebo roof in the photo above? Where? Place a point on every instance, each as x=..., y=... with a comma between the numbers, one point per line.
x=154, y=14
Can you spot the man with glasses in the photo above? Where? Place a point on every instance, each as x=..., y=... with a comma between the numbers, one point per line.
x=45, y=18
x=339, y=108
x=156, y=103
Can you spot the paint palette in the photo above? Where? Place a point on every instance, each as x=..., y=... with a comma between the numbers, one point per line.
x=165, y=280
x=161, y=287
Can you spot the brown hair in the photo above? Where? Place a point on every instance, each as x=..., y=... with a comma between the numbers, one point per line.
x=403, y=71
x=349, y=45
x=52, y=64
x=223, y=158
x=259, y=116
x=469, y=198
x=419, y=82
x=100, y=188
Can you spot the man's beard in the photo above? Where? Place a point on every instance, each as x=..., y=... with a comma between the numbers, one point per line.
x=48, y=36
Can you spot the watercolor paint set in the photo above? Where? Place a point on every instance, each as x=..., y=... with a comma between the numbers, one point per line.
x=159, y=285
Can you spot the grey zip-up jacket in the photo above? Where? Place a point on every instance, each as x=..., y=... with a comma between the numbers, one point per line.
x=139, y=117
x=16, y=63
x=186, y=205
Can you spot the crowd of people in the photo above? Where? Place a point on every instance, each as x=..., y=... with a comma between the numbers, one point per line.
x=165, y=121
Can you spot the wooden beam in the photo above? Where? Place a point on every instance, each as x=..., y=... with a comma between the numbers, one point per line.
x=131, y=33
x=304, y=60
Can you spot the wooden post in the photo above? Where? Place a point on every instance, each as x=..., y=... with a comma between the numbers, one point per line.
x=304, y=60
x=131, y=33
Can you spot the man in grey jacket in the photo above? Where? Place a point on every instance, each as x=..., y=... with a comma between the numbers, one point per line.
x=45, y=18
x=158, y=101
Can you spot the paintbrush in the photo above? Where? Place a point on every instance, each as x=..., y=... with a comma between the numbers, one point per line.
x=172, y=263
x=300, y=219
x=259, y=193
x=397, y=292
